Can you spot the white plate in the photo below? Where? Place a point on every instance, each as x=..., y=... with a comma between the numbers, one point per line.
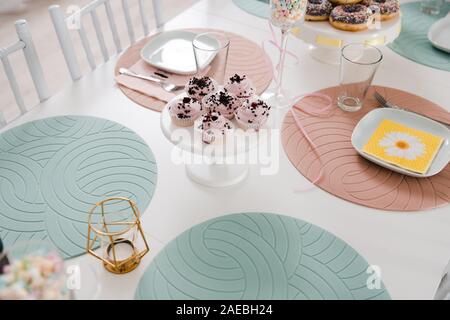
x=439, y=34
x=369, y=123
x=172, y=51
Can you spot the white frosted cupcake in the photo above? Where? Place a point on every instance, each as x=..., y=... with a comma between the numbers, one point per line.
x=213, y=127
x=253, y=114
x=184, y=111
x=198, y=88
x=240, y=86
x=222, y=102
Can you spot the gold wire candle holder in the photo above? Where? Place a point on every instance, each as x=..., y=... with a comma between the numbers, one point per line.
x=114, y=225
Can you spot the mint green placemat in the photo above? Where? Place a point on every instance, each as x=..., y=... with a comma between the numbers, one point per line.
x=259, y=8
x=257, y=256
x=413, y=42
x=52, y=171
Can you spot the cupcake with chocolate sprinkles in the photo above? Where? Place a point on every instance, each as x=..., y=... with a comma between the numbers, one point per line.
x=213, y=127
x=184, y=111
x=241, y=86
x=222, y=102
x=253, y=114
x=198, y=88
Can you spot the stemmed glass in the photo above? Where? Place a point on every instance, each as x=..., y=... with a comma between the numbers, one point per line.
x=284, y=14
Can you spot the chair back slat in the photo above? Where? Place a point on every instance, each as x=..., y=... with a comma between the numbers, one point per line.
x=26, y=45
x=62, y=29
x=113, y=27
x=99, y=32
x=66, y=44
x=87, y=47
x=143, y=17
x=128, y=21
x=31, y=57
x=90, y=7
x=19, y=45
x=157, y=9
x=13, y=84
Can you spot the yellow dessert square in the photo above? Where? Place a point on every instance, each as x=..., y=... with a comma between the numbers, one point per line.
x=405, y=147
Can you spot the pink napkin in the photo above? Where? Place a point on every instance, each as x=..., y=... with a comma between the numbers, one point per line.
x=149, y=88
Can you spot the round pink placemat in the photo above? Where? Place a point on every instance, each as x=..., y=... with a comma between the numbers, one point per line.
x=349, y=176
x=244, y=57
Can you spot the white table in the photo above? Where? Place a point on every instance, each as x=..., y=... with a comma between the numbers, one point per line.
x=411, y=249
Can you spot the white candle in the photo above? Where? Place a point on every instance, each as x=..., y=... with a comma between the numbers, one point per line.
x=122, y=249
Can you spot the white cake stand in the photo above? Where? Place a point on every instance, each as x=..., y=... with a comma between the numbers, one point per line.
x=326, y=41
x=217, y=164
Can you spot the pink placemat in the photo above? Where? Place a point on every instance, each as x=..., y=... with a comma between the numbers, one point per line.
x=349, y=176
x=245, y=57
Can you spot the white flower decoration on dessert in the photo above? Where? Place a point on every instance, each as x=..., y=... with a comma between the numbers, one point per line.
x=402, y=145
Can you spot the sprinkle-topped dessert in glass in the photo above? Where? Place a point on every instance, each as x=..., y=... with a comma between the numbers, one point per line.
x=286, y=13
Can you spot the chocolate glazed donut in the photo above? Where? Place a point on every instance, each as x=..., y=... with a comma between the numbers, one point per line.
x=352, y=17
x=389, y=9
x=318, y=10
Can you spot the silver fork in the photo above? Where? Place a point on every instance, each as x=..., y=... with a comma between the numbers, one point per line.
x=386, y=104
x=169, y=87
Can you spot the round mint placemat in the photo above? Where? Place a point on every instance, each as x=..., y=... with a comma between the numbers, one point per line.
x=413, y=42
x=259, y=8
x=257, y=256
x=52, y=171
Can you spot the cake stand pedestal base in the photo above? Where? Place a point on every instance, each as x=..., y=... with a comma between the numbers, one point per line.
x=216, y=175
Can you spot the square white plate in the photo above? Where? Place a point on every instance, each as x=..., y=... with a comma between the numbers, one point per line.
x=439, y=34
x=172, y=51
x=370, y=122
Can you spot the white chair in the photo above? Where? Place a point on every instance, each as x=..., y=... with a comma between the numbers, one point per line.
x=61, y=23
x=25, y=43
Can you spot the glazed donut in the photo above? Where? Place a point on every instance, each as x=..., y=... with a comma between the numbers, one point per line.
x=318, y=10
x=350, y=17
x=388, y=8
x=341, y=2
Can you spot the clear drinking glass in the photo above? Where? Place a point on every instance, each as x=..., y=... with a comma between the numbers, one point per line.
x=211, y=51
x=284, y=14
x=432, y=7
x=359, y=63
